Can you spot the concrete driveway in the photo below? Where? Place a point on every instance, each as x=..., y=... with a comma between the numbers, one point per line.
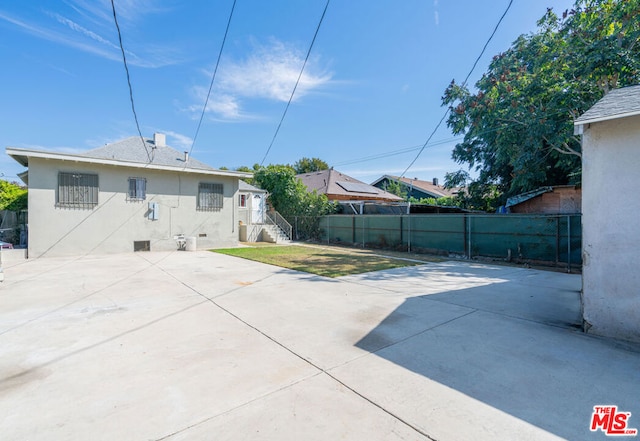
x=184, y=346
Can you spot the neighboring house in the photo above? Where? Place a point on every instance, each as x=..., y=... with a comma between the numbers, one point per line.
x=340, y=187
x=610, y=242
x=124, y=197
x=252, y=204
x=559, y=199
x=252, y=214
x=415, y=187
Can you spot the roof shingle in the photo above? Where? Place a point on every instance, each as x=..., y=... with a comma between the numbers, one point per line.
x=618, y=103
x=131, y=150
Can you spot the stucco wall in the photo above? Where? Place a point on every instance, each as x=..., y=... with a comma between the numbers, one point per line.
x=611, y=236
x=115, y=223
x=244, y=213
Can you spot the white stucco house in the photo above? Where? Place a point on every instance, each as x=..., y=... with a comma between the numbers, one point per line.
x=611, y=238
x=131, y=195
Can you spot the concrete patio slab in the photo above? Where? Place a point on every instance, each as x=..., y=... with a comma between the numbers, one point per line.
x=205, y=346
x=304, y=411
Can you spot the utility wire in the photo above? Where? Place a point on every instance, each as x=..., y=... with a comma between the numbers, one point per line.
x=297, y=81
x=495, y=29
x=126, y=68
x=394, y=152
x=213, y=77
x=435, y=143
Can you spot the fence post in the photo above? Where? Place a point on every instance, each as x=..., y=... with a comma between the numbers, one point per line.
x=328, y=230
x=557, y=239
x=568, y=243
x=353, y=229
x=409, y=235
x=469, y=234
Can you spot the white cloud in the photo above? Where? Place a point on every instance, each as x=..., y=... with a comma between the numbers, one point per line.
x=224, y=106
x=100, y=12
x=59, y=149
x=77, y=28
x=79, y=36
x=178, y=140
x=436, y=15
x=270, y=72
x=57, y=37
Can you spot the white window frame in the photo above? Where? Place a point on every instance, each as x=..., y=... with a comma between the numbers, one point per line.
x=242, y=197
x=136, y=189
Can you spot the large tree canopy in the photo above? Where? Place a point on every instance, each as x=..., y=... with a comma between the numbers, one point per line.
x=308, y=165
x=518, y=124
x=12, y=196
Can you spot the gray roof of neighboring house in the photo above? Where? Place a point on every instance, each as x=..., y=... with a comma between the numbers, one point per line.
x=619, y=103
x=244, y=186
x=425, y=186
x=335, y=184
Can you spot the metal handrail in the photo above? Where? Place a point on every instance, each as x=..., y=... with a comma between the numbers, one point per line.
x=281, y=223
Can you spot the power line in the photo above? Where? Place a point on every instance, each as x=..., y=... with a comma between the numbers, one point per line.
x=213, y=77
x=435, y=143
x=297, y=81
x=495, y=29
x=126, y=68
x=394, y=152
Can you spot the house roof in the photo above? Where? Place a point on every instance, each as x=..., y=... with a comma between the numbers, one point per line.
x=128, y=153
x=619, y=103
x=130, y=150
x=425, y=186
x=523, y=197
x=337, y=185
x=244, y=186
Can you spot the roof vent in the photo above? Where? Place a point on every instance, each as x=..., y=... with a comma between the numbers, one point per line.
x=186, y=156
x=159, y=139
x=435, y=181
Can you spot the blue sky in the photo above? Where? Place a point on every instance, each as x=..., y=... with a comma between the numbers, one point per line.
x=372, y=85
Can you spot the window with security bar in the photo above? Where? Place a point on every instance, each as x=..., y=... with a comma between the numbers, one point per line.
x=137, y=189
x=210, y=197
x=77, y=190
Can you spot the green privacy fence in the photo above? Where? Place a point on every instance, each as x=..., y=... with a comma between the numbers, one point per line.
x=537, y=238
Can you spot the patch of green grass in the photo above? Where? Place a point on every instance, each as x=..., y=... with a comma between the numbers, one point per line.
x=320, y=261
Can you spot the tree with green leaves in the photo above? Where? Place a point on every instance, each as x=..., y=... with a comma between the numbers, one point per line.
x=290, y=197
x=308, y=165
x=396, y=187
x=518, y=123
x=13, y=197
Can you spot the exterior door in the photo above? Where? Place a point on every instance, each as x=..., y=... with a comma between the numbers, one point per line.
x=257, y=209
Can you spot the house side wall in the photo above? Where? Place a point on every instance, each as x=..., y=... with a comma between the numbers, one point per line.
x=115, y=223
x=244, y=213
x=611, y=237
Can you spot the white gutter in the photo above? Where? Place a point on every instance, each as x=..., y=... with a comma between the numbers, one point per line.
x=17, y=152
